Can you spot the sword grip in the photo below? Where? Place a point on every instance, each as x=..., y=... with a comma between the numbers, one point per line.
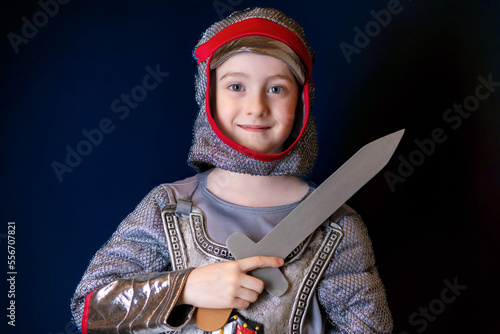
x=274, y=281
x=242, y=247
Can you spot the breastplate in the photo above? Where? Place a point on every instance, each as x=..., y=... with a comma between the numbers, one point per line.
x=190, y=246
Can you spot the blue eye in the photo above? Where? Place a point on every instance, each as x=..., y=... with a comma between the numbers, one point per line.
x=236, y=87
x=276, y=89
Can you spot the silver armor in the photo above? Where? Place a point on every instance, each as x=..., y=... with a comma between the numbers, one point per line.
x=139, y=259
x=188, y=241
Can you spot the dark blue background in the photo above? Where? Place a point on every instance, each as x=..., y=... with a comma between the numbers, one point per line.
x=441, y=223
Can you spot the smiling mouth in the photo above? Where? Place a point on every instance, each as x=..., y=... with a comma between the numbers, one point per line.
x=254, y=128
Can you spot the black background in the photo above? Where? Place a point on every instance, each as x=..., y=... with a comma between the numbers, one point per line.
x=438, y=223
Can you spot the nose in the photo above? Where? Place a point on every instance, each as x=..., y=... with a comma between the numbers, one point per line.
x=256, y=105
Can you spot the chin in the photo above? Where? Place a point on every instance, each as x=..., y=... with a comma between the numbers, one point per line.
x=268, y=151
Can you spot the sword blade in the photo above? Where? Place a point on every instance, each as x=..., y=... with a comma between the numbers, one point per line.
x=306, y=217
x=329, y=196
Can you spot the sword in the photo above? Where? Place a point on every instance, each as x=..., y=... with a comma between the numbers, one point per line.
x=314, y=210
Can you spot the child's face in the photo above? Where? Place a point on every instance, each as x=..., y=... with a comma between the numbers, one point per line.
x=255, y=101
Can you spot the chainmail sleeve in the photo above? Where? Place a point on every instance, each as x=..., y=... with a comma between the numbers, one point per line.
x=351, y=292
x=127, y=285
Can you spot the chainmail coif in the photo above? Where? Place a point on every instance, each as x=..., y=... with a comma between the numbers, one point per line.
x=209, y=151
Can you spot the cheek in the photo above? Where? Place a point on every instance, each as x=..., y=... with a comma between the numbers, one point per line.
x=223, y=114
x=287, y=114
x=289, y=125
x=219, y=109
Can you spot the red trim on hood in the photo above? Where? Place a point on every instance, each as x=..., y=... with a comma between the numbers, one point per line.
x=256, y=26
x=85, y=318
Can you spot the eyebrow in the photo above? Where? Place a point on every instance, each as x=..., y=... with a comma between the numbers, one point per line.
x=233, y=74
x=241, y=74
x=284, y=77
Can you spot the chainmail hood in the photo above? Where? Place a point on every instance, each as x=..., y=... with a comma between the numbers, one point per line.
x=211, y=148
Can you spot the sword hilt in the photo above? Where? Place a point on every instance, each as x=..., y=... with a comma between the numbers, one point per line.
x=242, y=247
x=275, y=283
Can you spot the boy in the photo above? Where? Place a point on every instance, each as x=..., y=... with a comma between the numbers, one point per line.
x=253, y=139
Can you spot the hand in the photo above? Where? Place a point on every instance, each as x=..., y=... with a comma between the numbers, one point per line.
x=226, y=285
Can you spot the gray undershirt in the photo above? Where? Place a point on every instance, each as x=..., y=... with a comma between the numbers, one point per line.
x=224, y=219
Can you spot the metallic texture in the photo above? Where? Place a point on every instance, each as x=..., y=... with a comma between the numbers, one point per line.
x=209, y=151
x=283, y=314
x=141, y=304
x=212, y=248
x=308, y=287
x=137, y=247
x=263, y=46
x=350, y=292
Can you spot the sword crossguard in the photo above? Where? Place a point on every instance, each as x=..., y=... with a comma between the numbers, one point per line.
x=242, y=247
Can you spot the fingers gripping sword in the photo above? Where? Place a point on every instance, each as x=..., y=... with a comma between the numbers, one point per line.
x=315, y=209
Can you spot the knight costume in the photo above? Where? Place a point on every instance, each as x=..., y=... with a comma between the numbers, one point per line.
x=133, y=282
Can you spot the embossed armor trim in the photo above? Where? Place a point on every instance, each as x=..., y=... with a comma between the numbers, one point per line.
x=350, y=294
x=319, y=264
x=311, y=261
